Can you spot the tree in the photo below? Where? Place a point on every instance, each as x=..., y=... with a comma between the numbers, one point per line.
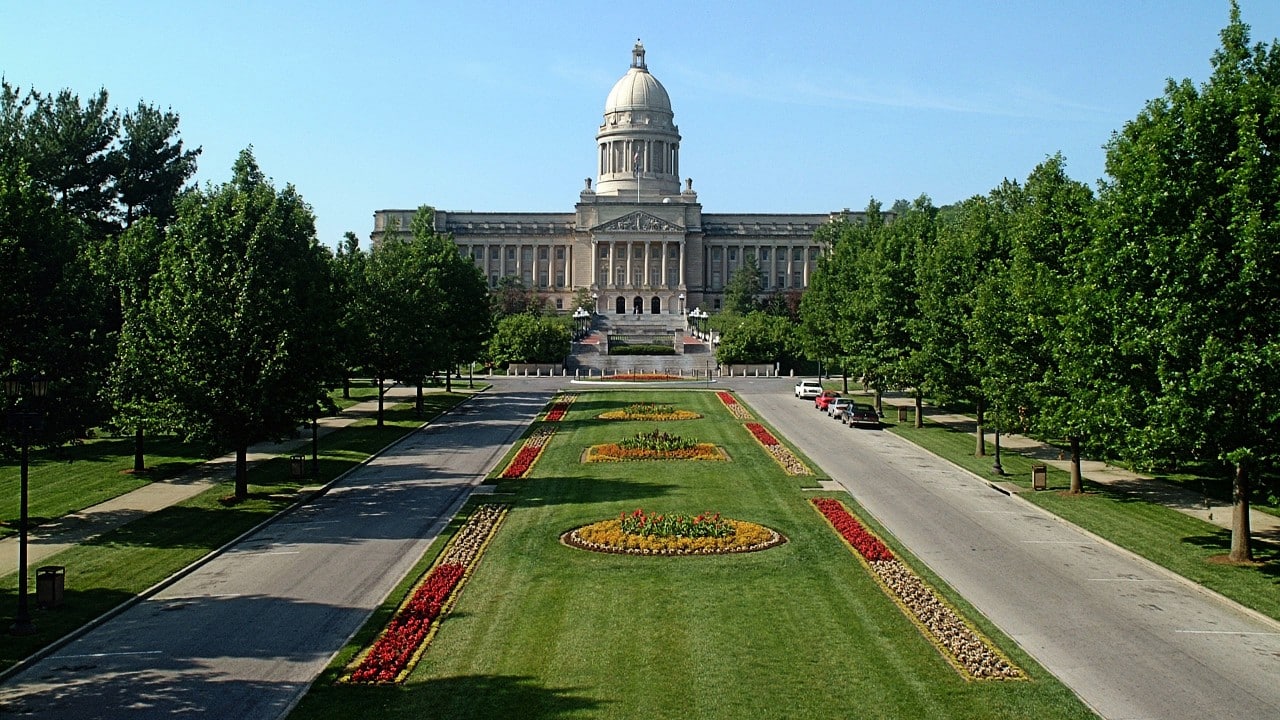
x=740, y=295
x=241, y=311
x=1191, y=220
x=529, y=339
x=350, y=264
x=513, y=298
x=151, y=165
x=758, y=338
x=69, y=146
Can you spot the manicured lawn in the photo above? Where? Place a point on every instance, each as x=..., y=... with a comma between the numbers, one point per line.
x=1175, y=540
x=799, y=631
x=72, y=477
x=118, y=565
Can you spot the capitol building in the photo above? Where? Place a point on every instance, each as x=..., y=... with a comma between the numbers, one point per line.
x=638, y=240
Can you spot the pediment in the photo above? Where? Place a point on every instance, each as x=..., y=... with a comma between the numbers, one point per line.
x=639, y=222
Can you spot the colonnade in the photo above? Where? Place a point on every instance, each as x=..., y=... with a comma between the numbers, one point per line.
x=547, y=265
x=768, y=259
x=637, y=263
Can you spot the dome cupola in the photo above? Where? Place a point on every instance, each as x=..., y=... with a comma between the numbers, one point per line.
x=638, y=142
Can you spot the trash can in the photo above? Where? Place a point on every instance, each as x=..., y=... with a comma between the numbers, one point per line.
x=1039, y=477
x=50, y=582
x=298, y=467
x=902, y=413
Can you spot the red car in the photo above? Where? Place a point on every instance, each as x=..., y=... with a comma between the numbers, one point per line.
x=823, y=399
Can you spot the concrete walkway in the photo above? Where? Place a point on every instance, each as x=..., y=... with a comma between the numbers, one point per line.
x=65, y=532
x=1263, y=526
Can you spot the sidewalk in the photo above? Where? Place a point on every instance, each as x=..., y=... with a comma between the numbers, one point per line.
x=1262, y=526
x=65, y=532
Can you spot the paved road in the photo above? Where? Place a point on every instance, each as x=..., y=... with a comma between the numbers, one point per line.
x=245, y=634
x=1131, y=639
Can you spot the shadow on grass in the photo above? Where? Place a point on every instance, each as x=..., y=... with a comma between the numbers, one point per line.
x=1266, y=558
x=466, y=696
x=78, y=607
x=578, y=489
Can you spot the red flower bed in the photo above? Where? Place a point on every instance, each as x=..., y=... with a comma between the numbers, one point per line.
x=764, y=436
x=868, y=546
x=557, y=411
x=393, y=651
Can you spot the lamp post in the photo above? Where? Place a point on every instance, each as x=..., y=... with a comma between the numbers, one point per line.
x=595, y=303
x=997, y=468
x=681, y=303
x=23, y=423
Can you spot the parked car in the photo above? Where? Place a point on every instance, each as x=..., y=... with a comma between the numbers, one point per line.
x=860, y=414
x=808, y=389
x=824, y=399
x=836, y=407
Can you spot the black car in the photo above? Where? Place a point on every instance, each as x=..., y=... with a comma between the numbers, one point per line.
x=860, y=414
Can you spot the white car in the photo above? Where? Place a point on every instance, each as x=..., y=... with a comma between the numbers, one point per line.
x=808, y=389
x=836, y=407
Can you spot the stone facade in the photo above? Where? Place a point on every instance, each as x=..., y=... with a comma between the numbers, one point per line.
x=638, y=241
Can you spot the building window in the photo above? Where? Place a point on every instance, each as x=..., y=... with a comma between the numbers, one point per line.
x=797, y=279
x=673, y=252
x=493, y=280
x=559, y=279
x=604, y=252
x=559, y=303
x=542, y=279
x=764, y=255
x=526, y=277
x=511, y=253
x=493, y=253
x=813, y=253
x=764, y=280
x=715, y=280
x=733, y=254
x=542, y=253
x=716, y=305
x=797, y=254
x=637, y=252
x=559, y=253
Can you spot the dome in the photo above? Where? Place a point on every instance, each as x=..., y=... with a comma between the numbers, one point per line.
x=638, y=90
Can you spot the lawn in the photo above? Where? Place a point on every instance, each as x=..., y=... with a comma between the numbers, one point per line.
x=799, y=631
x=118, y=565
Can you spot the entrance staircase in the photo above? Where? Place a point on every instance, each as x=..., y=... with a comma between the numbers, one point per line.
x=590, y=354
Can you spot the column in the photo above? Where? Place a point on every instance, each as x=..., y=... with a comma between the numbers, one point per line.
x=628, y=278
x=568, y=265
x=663, y=281
x=520, y=262
x=647, y=246
x=595, y=255
x=612, y=254
x=680, y=280
x=790, y=263
x=806, y=268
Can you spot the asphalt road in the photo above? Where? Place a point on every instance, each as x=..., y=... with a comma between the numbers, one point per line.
x=245, y=634
x=1131, y=639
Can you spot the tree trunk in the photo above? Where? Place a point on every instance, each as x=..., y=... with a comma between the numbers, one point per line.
x=242, y=472
x=139, y=456
x=919, y=410
x=879, y=404
x=844, y=377
x=1241, y=548
x=346, y=388
x=448, y=380
x=379, y=382
x=1077, y=484
x=417, y=408
x=981, y=449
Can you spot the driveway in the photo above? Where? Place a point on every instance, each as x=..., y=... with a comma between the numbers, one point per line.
x=1131, y=639
x=244, y=635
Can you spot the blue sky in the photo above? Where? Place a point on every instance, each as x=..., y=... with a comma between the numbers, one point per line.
x=783, y=107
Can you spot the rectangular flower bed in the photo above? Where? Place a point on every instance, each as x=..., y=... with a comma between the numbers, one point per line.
x=400, y=645
x=735, y=408
x=791, y=464
x=964, y=647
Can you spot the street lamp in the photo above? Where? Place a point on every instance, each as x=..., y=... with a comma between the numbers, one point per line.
x=581, y=318
x=997, y=468
x=24, y=424
x=681, y=303
x=595, y=303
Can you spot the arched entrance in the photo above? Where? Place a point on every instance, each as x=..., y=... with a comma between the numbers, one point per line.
x=638, y=305
x=620, y=306
x=655, y=306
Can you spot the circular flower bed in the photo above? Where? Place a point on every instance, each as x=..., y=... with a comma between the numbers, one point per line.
x=613, y=536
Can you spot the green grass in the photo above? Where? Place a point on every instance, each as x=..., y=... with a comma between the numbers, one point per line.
x=118, y=565
x=65, y=479
x=1184, y=544
x=360, y=390
x=801, y=631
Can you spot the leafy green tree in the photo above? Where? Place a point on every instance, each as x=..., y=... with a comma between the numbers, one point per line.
x=69, y=145
x=758, y=338
x=528, y=339
x=1187, y=243
x=742, y=293
x=350, y=265
x=513, y=298
x=242, y=313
